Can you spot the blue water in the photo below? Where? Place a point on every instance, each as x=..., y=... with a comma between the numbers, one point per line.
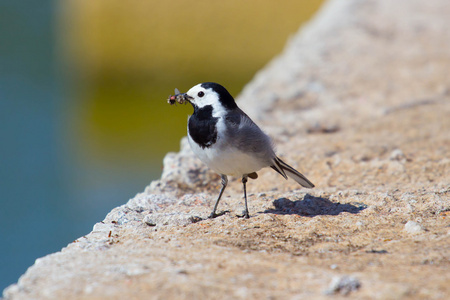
x=43, y=204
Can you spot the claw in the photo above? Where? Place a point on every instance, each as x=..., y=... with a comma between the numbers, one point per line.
x=214, y=215
x=244, y=215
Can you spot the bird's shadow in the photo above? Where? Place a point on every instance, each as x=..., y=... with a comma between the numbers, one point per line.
x=313, y=206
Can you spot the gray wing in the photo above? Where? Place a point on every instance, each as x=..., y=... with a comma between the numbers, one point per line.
x=247, y=136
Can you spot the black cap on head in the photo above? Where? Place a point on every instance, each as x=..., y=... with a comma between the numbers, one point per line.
x=224, y=96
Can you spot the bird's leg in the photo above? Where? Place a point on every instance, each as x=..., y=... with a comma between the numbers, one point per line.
x=224, y=185
x=245, y=212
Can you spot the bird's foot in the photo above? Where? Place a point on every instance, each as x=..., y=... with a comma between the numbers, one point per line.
x=214, y=215
x=244, y=215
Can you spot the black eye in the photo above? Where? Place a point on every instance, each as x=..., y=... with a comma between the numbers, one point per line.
x=201, y=94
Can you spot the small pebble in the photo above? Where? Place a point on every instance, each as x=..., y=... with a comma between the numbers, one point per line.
x=343, y=285
x=149, y=221
x=414, y=227
x=397, y=154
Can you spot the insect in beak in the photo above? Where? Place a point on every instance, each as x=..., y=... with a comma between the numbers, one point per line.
x=178, y=97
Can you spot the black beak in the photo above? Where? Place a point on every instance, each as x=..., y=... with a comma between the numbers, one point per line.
x=186, y=97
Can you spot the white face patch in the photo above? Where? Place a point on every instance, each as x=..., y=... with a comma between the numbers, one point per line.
x=202, y=97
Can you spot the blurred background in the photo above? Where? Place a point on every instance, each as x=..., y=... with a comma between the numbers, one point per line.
x=84, y=122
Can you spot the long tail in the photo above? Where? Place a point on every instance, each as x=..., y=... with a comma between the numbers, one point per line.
x=286, y=171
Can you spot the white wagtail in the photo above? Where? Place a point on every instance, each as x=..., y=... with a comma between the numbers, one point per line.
x=227, y=140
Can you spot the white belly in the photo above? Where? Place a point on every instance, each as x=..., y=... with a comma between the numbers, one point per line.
x=228, y=160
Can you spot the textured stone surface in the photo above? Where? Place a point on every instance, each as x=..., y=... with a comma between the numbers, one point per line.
x=360, y=102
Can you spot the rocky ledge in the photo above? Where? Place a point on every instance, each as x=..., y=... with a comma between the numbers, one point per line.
x=359, y=101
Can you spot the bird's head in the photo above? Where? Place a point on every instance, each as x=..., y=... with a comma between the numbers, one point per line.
x=210, y=93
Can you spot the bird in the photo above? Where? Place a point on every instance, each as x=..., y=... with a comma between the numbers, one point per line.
x=224, y=137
